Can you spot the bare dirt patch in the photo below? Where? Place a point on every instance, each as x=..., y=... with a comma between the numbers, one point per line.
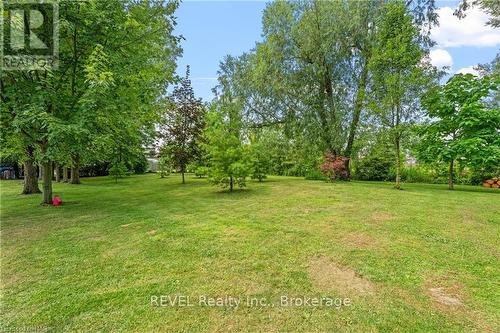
x=450, y=296
x=327, y=275
x=359, y=241
x=440, y=295
x=469, y=216
x=446, y=290
x=379, y=217
x=151, y=232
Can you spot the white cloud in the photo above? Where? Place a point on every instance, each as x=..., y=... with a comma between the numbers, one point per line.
x=441, y=58
x=469, y=31
x=468, y=70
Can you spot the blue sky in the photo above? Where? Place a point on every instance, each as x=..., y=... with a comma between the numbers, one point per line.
x=213, y=29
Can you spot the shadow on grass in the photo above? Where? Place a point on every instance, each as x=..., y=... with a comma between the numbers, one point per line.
x=476, y=189
x=436, y=187
x=267, y=180
x=237, y=193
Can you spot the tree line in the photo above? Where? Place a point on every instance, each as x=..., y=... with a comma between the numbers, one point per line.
x=116, y=59
x=334, y=90
x=342, y=86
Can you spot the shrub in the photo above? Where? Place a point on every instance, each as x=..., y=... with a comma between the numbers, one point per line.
x=164, y=166
x=373, y=168
x=118, y=170
x=141, y=165
x=315, y=174
x=201, y=171
x=334, y=167
x=259, y=161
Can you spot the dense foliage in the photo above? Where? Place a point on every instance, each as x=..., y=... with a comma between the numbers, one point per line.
x=228, y=156
x=334, y=90
x=463, y=129
x=115, y=60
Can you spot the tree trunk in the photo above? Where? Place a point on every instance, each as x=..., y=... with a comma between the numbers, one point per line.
x=347, y=167
x=40, y=172
x=75, y=169
x=398, y=164
x=450, y=176
x=358, y=106
x=183, y=180
x=47, y=183
x=57, y=172
x=231, y=184
x=17, y=174
x=30, y=178
x=65, y=174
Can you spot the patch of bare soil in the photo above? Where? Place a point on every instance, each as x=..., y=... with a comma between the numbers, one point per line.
x=469, y=216
x=359, y=241
x=151, y=232
x=327, y=275
x=440, y=295
x=379, y=217
x=446, y=290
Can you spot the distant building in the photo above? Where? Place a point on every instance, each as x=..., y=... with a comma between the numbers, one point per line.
x=7, y=172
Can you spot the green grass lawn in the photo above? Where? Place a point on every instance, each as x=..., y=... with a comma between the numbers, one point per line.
x=419, y=260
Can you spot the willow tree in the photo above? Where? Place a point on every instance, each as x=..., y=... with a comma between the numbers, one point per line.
x=311, y=71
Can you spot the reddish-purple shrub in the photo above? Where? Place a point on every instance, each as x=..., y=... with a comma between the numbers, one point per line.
x=335, y=167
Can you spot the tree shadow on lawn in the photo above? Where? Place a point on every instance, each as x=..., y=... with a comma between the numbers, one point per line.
x=477, y=189
x=270, y=180
x=238, y=193
x=427, y=186
x=458, y=188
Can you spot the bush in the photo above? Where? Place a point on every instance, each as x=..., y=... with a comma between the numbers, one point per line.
x=118, y=170
x=141, y=165
x=259, y=161
x=373, y=168
x=315, y=174
x=164, y=166
x=334, y=167
x=201, y=171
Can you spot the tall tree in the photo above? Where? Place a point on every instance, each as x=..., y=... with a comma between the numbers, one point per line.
x=182, y=125
x=311, y=71
x=492, y=7
x=463, y=128
x=397, y=72
x=128, y=44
